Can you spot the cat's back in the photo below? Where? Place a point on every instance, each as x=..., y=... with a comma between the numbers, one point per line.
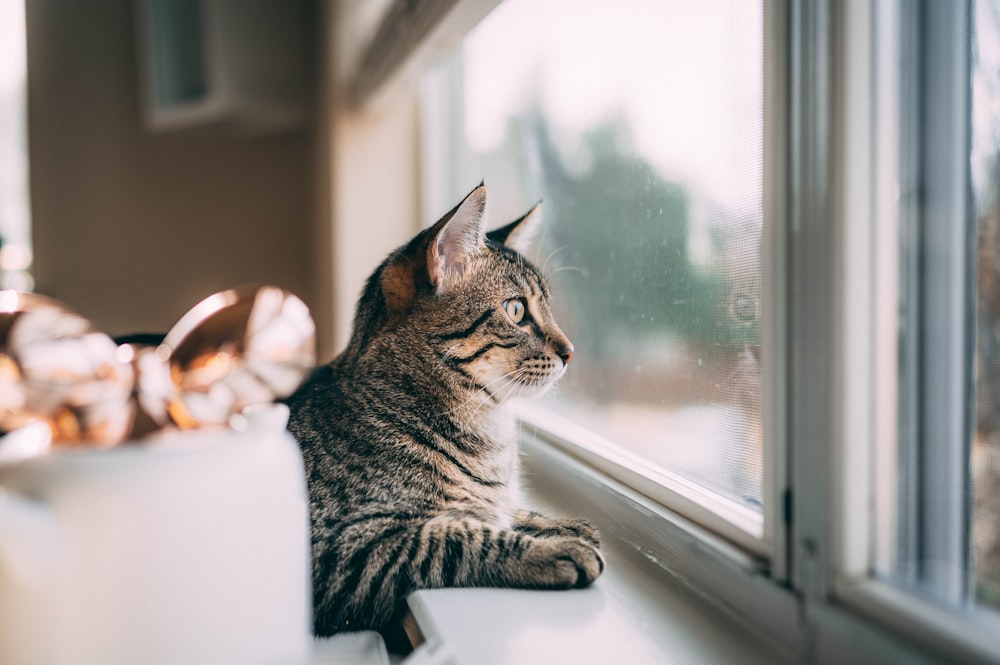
x=360, y=424
x=333, y=419
x=316, y=407
x=348, y=403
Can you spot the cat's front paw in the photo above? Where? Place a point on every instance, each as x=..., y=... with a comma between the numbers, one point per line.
x=581, y=528
x=576, y=563
x=544, y=526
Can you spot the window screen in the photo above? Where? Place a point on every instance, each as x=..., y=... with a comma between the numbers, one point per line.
x=639, y=123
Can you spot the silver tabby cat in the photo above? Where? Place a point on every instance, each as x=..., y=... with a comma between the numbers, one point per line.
x=412, y=468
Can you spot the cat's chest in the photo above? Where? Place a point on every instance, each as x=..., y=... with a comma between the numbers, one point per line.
x=502, y=456
x=501, y=464
x=500, y=503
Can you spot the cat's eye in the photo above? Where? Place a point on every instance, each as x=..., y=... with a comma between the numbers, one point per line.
x=516, y=309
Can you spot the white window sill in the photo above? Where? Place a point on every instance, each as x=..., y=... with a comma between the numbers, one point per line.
x=634, y=613
x=672, y=592
x=623, y=618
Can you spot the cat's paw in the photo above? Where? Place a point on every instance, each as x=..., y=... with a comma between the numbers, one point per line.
x=581, y=528
x=576, y=563
x=540, y=525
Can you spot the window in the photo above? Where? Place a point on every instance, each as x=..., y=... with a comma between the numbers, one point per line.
x=777, y=247
x=641, y=127
x=15, y=240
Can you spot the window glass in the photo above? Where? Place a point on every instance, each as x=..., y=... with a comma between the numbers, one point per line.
x=15, y=240
x=985, y=457
x=639, y=123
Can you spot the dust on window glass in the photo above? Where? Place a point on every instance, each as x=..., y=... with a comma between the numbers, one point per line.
x=15, y=239
x=639, y=123
x=985, y=456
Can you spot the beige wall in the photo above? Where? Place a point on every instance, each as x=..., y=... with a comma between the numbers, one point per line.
x=132, y=229
x=374, y=167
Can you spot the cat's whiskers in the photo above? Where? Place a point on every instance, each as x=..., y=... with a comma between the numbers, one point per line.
x=470, y=387
x=562, y=268
x=513, y=381
x=551, y=256
x=514, y=384
x=476, y=393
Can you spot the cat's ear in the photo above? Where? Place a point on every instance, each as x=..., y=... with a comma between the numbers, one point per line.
x=455, y=239
x=520, y=234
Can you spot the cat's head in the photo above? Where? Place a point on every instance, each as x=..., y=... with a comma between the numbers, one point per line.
x=473, y=301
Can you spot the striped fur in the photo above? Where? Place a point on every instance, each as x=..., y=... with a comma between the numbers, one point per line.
x=412, y=468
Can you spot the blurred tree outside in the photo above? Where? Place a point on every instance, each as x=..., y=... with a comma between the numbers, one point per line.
x=619, y=245
x=664, y=316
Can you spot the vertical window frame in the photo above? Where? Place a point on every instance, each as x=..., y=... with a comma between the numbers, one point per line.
x=919, y=179
x=774, y=306
x=812, y=240
x=939, y=308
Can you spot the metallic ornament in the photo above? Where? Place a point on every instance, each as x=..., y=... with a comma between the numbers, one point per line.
x=235, y=349
x=55, y=367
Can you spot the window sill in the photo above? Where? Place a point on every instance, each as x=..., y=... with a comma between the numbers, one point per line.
x=671, y=592
x=625, y=617
x=620, y=619
x=634, y=613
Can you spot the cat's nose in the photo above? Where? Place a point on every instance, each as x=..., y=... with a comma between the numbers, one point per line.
x=566, y=352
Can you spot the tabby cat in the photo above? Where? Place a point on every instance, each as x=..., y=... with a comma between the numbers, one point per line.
x=412, y=468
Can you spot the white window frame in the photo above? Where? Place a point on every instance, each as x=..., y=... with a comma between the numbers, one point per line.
x=799, y=576
x=876, y=186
